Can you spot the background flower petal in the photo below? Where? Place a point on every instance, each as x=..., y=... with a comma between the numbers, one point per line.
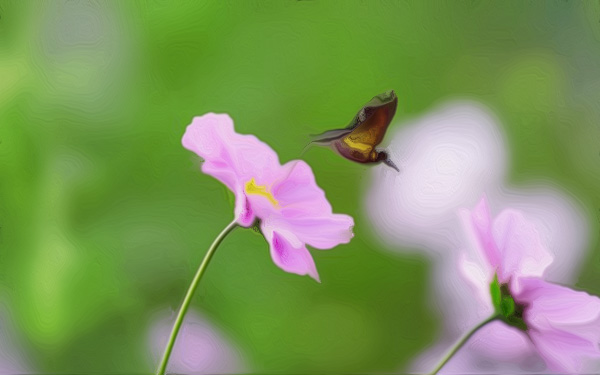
x=479, y=274
x=522, y=252
x=554, y=307
x=481, y=226
x=494, y=349
x=564, y=351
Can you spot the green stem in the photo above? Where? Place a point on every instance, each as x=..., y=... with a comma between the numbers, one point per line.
x=188, y=297
x=462, y=342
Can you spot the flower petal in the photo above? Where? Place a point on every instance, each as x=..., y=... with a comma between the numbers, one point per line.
x=207, y=136
x=213, y=138
x=520, y=248
x=306, y=212
x=323, y=232
x=479, y=274
x=553, y=307
x=563, y=351
x=479, y=226
x=564, y=323
x=245, y=215
x=289, y=258
x=297, y=191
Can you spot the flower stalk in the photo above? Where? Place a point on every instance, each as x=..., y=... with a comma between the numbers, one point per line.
x=190, y=293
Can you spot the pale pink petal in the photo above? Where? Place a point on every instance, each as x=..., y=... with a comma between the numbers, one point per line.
x=494, y=349
x=563, y=351
x=293, y=259
x=479, y=275
x=501, y=342
x=245, y=215
x=498, y=348
x=207, y=136
x=297, y=191
x=229, y=156
x=552, y=307
x=306, y=212
x=481, y=224
x=323, y=232
x=518, y=243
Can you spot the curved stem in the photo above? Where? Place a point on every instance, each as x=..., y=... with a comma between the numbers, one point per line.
x=462, y=342
x=190, y=293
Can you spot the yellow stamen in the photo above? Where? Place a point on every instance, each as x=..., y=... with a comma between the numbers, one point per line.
x=252, y=188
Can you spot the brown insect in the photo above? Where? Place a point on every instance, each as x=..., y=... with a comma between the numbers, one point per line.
x=366, y=130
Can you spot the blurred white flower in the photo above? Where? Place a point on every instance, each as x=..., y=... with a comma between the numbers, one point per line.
x=448, y=159
x=199, y=349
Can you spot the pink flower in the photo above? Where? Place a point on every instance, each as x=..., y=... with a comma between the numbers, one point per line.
x=292, y=209
x=561, y=324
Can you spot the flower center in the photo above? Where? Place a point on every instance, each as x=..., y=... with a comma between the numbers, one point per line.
x=252, y=188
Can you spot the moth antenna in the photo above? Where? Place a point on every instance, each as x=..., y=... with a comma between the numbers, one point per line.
x=309, y=145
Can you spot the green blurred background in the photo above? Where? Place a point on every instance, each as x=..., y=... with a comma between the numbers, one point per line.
x=105, y=217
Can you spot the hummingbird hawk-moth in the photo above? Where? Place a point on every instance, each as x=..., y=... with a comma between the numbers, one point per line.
x=357, y=141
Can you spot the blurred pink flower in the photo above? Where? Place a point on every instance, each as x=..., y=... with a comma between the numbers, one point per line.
x=12, y=356
x=292, y=209
x=199, y=349
x=563, y=325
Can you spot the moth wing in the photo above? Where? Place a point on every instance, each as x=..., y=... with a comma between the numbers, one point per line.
x=329, y=136
x=372, y=130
